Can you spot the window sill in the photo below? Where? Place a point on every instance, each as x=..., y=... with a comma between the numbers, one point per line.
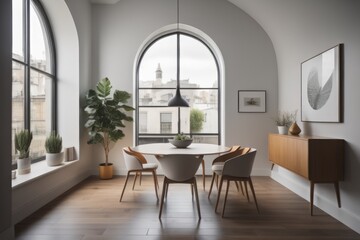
x=38, y=170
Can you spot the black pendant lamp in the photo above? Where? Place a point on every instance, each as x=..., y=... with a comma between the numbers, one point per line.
x=178, y=100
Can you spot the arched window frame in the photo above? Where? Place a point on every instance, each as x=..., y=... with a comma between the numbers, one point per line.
x=137, y=100
x=26, y=63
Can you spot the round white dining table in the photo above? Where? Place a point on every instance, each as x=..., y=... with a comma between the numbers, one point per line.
x=169, y=149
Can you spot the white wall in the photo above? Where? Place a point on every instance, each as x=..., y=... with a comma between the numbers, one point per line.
x=250, y=64
x=73, y=69
x=300, y=30
x=6, y=228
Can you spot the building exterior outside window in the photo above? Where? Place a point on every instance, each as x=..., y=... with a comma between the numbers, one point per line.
x=34, y=75
x=156, y=84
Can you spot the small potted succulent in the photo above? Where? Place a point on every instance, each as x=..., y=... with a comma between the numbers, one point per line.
x=181, y=141
x=53, y=146
x=22, y=144
x=283, y=121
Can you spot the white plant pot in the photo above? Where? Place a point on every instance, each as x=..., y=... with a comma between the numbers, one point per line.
x=54, y=159
x=24, y=165
x=283, y=130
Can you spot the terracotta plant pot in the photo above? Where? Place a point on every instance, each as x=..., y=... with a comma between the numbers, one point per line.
x=105, y=172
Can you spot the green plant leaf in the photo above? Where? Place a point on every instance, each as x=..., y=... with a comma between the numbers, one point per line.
x=89, y=123
x=116, y=135
x=121, y=96
x=103, y=88
x=127, y=108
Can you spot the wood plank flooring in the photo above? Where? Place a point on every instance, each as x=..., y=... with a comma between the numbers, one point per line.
x=92, y=211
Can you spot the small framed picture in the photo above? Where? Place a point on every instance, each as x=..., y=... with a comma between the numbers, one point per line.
x=251, y=101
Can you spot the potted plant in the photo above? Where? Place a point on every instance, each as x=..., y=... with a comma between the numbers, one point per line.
x=105, y=119
x=181, y=141
x=22, y=144
x=53, y=146
x=283, y=121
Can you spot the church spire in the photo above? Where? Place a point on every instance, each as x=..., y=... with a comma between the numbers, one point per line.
x=158, y=72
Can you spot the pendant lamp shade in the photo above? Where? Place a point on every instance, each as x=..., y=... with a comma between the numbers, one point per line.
x=178, y=100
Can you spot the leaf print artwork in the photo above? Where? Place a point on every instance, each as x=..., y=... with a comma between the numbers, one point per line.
x=318, y=94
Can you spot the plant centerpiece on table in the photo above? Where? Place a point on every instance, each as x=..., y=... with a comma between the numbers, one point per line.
x=53, y=146
x=106, y=114
x=22, y=144
x=181, y=141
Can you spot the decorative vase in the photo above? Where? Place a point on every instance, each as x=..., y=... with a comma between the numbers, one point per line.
x=24, y=165
x=283, y=130
x=105, y=171
x=294, y=129
x=54, y=159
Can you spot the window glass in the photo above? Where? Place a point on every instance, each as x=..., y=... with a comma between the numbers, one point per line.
x=17, y=30
x=197, y=64
x=33, y=88
x=198, y=85
x=39, y=43
x=18, y=118
x=158, y=64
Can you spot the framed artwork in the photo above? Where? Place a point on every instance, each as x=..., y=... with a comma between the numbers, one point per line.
x=320, y=87
x=251, y=101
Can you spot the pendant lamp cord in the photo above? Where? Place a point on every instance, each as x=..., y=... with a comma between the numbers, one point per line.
x=178, y=50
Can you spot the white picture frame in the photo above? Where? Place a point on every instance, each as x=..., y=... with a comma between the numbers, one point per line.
x=320, y=87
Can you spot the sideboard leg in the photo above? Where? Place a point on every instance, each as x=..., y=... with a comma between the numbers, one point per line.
x=337, y=190
x=312, y=197
x=272, y=166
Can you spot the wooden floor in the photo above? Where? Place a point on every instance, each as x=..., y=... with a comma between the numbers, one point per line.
x=92, y=211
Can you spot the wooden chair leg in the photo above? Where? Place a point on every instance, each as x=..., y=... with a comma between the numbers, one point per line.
x=140, y=173
x=203, y=172
x=219, y=193
x=162, y=197
x=242, y=189
x=136, y=174
x=156, y=189
x=127, y=178
x=246, y=191
x=167, y=189
x=192, y=190
x=212, y=183
x=253, y=192
x=217, y=181
x=197, y=198
x=237, y=186
x=226, y=194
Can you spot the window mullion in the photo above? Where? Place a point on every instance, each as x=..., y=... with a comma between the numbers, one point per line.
x=27, y=94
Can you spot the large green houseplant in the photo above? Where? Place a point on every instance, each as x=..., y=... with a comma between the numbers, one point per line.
x=106, y=116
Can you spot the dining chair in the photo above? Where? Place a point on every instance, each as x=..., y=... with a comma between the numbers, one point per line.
x=237, y=168
x=136, y=163
x=218, y=163
x=179, y=169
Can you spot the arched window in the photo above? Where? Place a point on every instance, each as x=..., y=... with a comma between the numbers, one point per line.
x=34, y=74
x=156, y=84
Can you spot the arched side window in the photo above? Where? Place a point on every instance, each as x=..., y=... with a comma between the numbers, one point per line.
x=156, y=84
x=33, y=74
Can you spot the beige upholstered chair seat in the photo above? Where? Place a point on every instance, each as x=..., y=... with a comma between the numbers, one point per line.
x=150, y=166
x=217, y=168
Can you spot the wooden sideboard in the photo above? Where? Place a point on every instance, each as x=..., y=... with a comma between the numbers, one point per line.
x=318, y=159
